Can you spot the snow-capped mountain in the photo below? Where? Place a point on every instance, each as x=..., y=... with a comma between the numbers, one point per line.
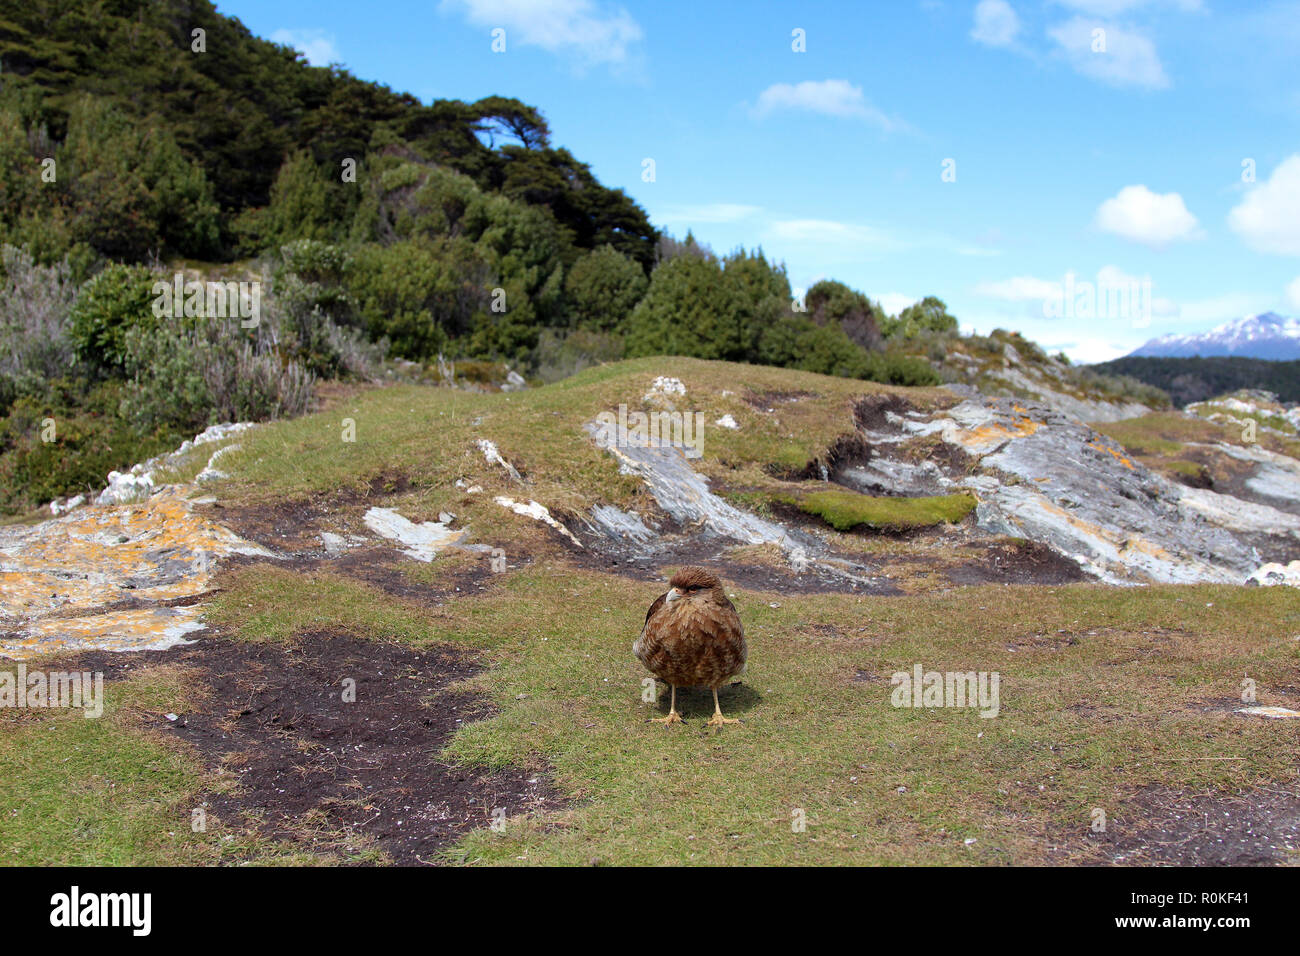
x=1266, y=336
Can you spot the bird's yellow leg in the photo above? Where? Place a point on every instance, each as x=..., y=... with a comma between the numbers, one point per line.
x=717, y=720
x=673, y=717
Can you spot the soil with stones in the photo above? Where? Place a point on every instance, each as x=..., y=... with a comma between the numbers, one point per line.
x=328, y=775
x=1163, y=827
x=1016, y=562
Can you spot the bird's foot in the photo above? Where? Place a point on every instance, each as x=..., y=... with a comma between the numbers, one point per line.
x=717, y=720
x=672, y=718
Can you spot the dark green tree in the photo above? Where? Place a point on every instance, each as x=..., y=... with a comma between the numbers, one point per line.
x=689, y=310
x=833, y=302
x=603, y=288
x=928, y=315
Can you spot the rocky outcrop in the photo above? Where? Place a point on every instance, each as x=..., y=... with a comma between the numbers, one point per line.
x=684, y=496
x=1045, y=381
x=119, y=577
x=1043, y=475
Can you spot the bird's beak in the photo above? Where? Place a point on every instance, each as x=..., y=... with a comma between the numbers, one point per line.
x=673, y=594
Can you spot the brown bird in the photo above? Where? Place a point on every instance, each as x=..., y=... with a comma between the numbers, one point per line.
x=692, y=637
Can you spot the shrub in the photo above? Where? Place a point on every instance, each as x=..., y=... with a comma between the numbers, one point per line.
x=419, y=294
x=603, y=288
x=107, y=307
x=189, y=377
x=860, y=319
x=306, y=203
x=34, y=305
x=919, y=318
x=688, y=310
x=312, y=315
x=91, y=440
x=561, y=354
x=895, y=369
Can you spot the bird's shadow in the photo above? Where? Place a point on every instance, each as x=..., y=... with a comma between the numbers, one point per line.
x=697, y=702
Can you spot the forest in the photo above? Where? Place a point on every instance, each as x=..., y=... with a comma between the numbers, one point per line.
x=142, y=140
x=1195, y=379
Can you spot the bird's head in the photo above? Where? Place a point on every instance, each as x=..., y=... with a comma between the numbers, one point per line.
x=694, y=584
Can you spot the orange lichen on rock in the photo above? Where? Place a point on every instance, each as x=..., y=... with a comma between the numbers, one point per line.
x=58, y=577
x=984, y=438
x=1106, y=448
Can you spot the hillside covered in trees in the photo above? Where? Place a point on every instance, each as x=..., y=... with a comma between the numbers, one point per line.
x=145, y=131
x=1188, y=380
x=142, y=138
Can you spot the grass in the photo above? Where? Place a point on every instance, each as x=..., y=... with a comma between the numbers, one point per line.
x=1106, y=694
x=1101, y=697
x=1266, y=416
x=1103, y=694
x=1163, y=442
x=109, y=791
x=846, y=510
x=1187, y=469
x=1167, y=434
x=428, y=435
x=819, y=738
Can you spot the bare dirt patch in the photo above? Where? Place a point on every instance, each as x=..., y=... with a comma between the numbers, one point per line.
x=296, y=524
x=1256, y=827
x=284, y=525
x=845, y=452
x=382, y=567
x=871, y=413
x=1015, y=562
x=332, y=777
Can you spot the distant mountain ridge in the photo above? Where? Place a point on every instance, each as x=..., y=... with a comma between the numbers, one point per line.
x=1264, y=336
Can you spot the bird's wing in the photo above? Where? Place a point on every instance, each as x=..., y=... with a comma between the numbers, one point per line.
x=658, y=603
x=647, y=644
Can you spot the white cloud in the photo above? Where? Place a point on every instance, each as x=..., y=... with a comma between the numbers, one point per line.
x=1089, y=350
x=1293, y=293
x=828, y=97
x=895, y=302
x=707, y=212
x=1036, y=293
x=1128, y=58
x=1268, y=218
x=826, y=231
x=593, y=33
x=316, y=45
x=996, y=23
x=1020, y=289
x=1154, y=218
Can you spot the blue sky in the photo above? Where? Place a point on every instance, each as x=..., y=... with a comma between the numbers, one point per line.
x=1111, y=141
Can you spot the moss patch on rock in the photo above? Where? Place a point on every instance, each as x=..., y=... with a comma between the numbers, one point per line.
x=846, y=510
